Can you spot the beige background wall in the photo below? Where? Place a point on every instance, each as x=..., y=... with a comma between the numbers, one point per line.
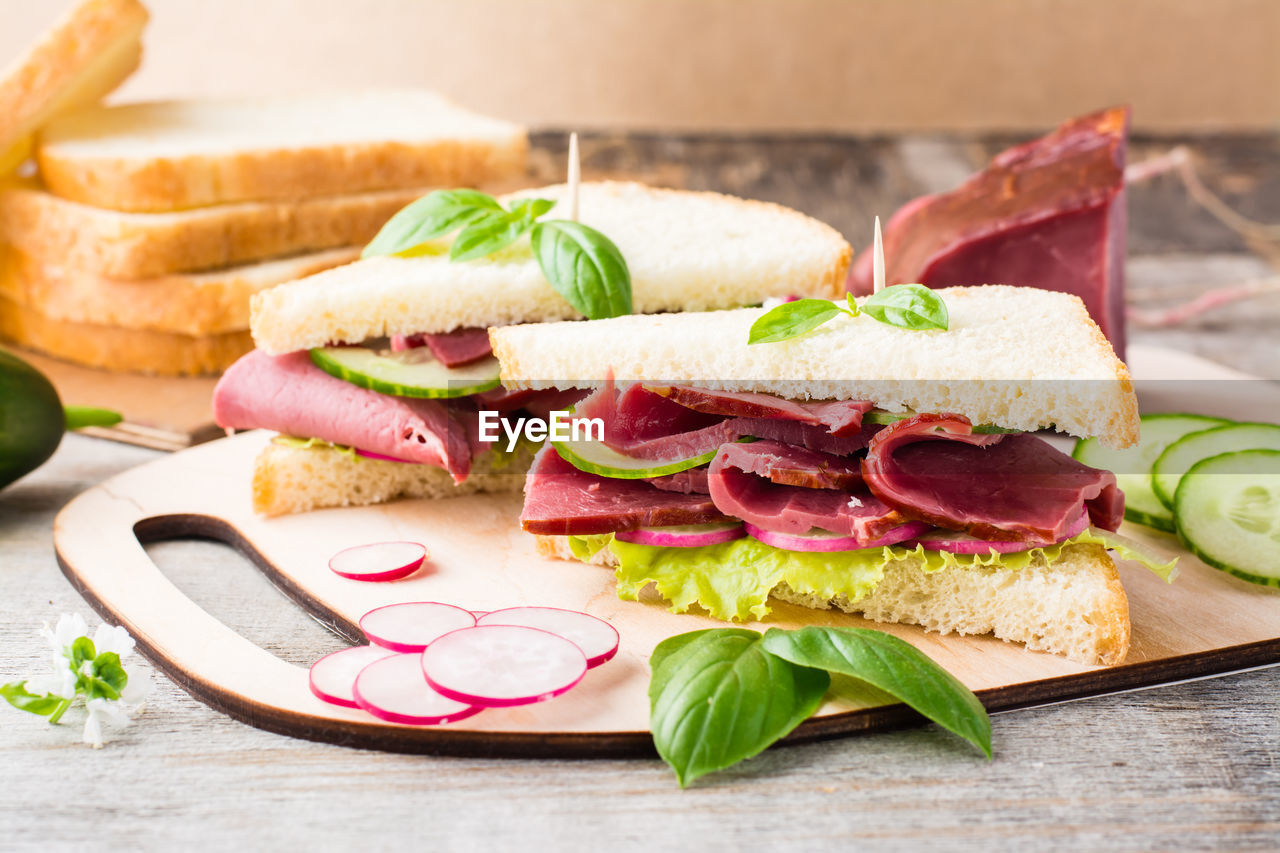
x=839, y=65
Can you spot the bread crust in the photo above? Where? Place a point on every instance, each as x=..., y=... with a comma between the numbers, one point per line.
x=181, y=180
x=1076, y=607
x=196, y=304
x=88, y=53
x=139, y=245
x=122, y=350
x=290, y=479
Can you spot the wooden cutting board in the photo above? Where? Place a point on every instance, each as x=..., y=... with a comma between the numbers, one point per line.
x=1205, y=623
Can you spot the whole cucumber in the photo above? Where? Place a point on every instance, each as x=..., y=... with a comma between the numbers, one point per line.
x=31, y=418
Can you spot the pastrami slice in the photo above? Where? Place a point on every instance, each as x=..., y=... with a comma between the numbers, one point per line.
x=560, y=500
x=290, y=395
x=1000, y=487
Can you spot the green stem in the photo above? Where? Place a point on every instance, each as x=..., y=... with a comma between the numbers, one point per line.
x=61, y=709
x=78, y=417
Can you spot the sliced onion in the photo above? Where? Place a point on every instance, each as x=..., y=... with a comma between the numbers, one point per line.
x=821, y=540
x=962, y=543
x=684, y=535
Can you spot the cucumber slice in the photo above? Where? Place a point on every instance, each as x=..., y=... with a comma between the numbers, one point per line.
x=408, y=373
x=596, y=457
x=1179, y=457
x=1228, y=511
x=1132, y=466
x=882, y=418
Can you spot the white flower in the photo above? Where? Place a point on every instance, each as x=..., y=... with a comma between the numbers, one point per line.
x=854, y=503
x=112, y=638
x=61, y=682
x=70, y=627
x=103, y=711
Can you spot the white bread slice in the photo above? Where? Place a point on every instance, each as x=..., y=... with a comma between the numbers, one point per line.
x=289, y=479
x=1016, y=357
x=144, y=245
x=88, y=53
x=172, y=155
x=1075, y=607
x=121, y=350
x=191, y=304
x=685, y=251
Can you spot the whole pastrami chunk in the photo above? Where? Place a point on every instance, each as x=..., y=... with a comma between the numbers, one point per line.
x=793, y=509
x=291, y=395
x=840, y=417
x=560, y=500
x=1004, y=487
x=1048, y=214
x=451, y=349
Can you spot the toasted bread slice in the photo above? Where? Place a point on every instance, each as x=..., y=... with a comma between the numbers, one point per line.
x=289, y=479
x=1016, y=357
x=173, y=155
x=87, y=54
x=145, y=245
x=685, y=251
x=1075, y=607
x=205, y=303
x=121, y=350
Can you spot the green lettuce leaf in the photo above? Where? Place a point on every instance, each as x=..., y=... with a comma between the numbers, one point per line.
x=314, y=443
x=732, y=580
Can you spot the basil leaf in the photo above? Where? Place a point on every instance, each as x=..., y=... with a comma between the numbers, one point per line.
x=791, y=319
x=81, y=651
x=16, y=694
x=487, y=233
x=584, y=267
x=892, y=665
x=109, y=675
x=910, y=306
x=531, y=208
x=431, y=216
x=854, y=311
x=718, y=698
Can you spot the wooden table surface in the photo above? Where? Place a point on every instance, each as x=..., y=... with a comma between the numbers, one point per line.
x=1194, y=765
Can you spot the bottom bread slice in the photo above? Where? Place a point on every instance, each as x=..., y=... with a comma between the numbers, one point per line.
x=121, y=350
x=1075, y=607
x=289, y=479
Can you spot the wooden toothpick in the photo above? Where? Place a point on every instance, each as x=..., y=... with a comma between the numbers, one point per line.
x=877, y=262
x=575, y=177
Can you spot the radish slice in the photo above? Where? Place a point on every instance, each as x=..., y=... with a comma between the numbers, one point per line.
x=411, y=626
x=394, y=690
x=383, y=561
x=502, y=665
x=684, y=535
x=333, y=675
x=380, y=457
x=596, y=637
x=963, y=543
x=819, y=540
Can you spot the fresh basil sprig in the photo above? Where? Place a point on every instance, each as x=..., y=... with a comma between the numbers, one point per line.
x=718, y=698
x=723, y=695
x=584, y=267
x=892, y=665
x=908, y=306
x=580, y=263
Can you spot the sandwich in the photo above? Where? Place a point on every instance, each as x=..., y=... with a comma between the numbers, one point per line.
x=375, y=373
x=874, y=462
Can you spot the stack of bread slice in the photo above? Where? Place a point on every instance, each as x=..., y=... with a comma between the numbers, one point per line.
x=138, y=239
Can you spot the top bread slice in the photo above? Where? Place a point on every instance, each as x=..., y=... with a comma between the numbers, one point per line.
x=87, y=54
x=120, y=245
x=1016, y=357
x=173, y=155
x=685, y=251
